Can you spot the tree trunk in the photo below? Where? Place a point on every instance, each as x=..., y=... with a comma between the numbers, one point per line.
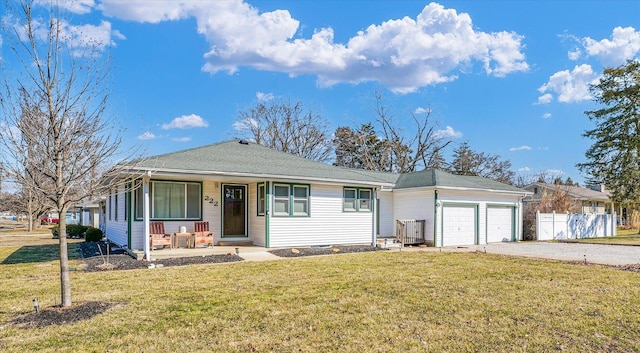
x=30, y=211
x=65, y=282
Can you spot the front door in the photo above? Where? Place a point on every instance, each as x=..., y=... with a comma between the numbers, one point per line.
x=234, y=209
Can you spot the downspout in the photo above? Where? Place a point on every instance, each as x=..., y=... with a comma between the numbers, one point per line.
x=435, y=219
x=519, y=217
x=146, y=216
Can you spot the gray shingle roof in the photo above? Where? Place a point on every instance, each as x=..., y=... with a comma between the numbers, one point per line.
x=235, y=158
x=251, y=159
x=579, y=193
x=439, y=178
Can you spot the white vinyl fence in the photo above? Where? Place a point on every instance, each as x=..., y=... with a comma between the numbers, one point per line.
x=557, y=226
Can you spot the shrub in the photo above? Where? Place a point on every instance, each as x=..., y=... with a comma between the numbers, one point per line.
x=76, y=230
x=93, y=234
x=55, y=231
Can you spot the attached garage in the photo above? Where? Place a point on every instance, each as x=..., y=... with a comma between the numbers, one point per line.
x=459, y=225
x=459, y=210
x=500, y=224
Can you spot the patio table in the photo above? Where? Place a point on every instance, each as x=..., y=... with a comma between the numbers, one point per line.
x=177, y=236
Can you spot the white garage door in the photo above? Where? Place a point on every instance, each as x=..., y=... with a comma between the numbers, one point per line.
x=499, y=224
x=459, y=225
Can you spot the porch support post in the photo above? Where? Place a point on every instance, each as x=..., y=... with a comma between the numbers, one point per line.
x=374, y=223
x=145, y=216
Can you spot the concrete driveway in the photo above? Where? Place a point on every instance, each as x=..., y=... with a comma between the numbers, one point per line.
x=600, y=254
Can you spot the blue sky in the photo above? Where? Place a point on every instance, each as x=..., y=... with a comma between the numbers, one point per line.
x=509, y=77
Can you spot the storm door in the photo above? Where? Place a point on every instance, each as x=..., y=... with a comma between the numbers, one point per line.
x=234, y=211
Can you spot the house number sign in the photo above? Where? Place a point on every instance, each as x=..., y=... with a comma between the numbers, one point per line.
x=211, y=201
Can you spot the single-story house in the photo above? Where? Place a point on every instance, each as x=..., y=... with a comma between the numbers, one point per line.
x=89, y=213
x=251, y=193
x=596, y=200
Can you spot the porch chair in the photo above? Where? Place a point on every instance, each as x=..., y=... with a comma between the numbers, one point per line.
x=157, y=236
x=202, y=235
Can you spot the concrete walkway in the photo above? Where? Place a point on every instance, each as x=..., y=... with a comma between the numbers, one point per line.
x=248, y=253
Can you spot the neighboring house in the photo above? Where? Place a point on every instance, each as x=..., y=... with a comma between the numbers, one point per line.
x=583, y=200
x=89, y=213
x=251, y=193
x=72, y=216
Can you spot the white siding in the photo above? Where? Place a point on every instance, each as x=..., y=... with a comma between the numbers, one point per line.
x=256, y=223
x=386, y=213
x=414, y=204
x=116, y=229
x=327, y=223
x=211, y=208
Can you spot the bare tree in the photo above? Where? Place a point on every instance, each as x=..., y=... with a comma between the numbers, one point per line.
x=408, y=152
x=286, y=126
x=391, y=148
x=468, y=162
x=56, y=140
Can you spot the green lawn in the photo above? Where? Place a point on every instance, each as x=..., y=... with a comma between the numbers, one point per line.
x=623, y=237
x=383, y=301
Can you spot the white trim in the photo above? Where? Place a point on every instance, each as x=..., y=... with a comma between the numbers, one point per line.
x=456, y=188
x=146, y=216
x=252, y=176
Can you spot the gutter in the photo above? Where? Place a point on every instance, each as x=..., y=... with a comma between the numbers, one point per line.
x=191, y=173
x=454, y=188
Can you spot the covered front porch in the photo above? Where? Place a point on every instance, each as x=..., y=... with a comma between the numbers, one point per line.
x=227, y=207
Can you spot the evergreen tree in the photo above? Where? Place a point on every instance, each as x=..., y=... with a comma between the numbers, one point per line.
x=614, y=157
x=360, y=149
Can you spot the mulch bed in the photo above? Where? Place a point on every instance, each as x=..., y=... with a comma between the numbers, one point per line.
x=324, y=250
x=630, y=268
x=96, y=261
x=57, y=315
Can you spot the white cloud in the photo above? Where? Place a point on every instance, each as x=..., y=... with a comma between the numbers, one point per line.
x=402, y=54
x=186, y=122
x=545, y=98
x=623, y=45
x=147, y=135
x=554, y=172
x=574, y=54
x=447, y=132
x=421, y=110
x=264, y=97
x=569, y=86
x=521, y=148
x=181, y=139
x=546, y=115
x=524, y=169
x=77, y=37
x=245, y=124
x=75, y=6
x=89, y=35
